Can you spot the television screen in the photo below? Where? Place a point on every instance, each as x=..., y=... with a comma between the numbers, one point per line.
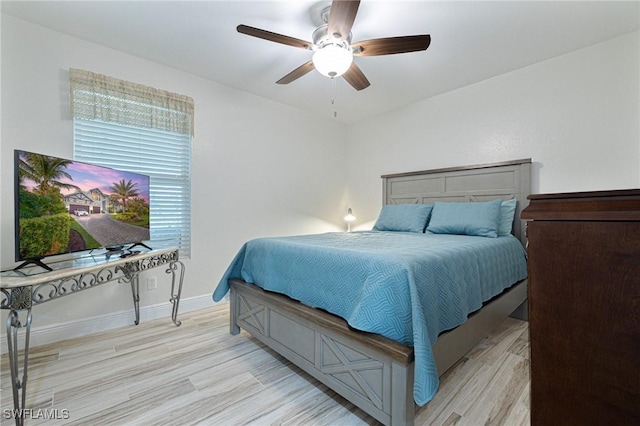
x=65, y=206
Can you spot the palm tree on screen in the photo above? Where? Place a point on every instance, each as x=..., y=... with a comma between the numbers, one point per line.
x=123, y=191
x=45, y=176
x=45, y=172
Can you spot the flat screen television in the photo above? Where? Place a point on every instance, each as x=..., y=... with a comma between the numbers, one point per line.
x=65, y=206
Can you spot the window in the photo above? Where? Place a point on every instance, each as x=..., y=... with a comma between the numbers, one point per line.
x=129, y=129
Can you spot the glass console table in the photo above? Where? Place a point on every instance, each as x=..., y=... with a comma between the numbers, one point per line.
x=24, y=288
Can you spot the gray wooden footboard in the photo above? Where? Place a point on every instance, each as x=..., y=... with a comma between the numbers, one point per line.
x=372, y=372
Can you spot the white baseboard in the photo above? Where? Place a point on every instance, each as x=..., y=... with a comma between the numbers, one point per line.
x=78, y=328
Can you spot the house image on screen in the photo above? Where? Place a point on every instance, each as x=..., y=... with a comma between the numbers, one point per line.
x=91, y=201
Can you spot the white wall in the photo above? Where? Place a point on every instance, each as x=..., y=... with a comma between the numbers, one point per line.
x=576, y=116
x=262, y=168
x=259, y=167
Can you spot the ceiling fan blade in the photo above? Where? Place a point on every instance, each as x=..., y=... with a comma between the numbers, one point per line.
x=275, y=37
x=297, y=73
x=341, y=17
x=391, y=45
x=356, y=78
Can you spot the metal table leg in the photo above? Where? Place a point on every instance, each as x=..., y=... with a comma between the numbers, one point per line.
x=135, y=290
x=176, y=290
x=19, y=386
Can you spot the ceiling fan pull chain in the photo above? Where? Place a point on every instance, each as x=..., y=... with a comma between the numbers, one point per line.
x=333, y=97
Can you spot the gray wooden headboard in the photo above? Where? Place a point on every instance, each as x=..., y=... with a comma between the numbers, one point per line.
x=483, y=182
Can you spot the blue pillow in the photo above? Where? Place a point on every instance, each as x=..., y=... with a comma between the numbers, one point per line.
x=507, y=212
x=478, y=219
x=403, y=217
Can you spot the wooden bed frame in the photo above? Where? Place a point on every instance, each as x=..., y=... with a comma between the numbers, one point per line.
x=371, y=371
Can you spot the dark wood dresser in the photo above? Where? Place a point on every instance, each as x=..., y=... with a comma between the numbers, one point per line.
x=584, y=307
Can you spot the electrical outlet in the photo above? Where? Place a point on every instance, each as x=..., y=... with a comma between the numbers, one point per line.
x=152, y=283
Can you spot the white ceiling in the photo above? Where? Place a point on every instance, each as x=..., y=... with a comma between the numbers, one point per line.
x=470, y=42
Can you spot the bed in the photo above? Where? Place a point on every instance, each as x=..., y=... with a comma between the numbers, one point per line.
x=391, y=364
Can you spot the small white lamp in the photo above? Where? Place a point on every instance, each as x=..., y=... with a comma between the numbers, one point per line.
x=349, y=218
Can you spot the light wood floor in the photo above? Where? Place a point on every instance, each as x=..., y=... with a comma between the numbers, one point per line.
x=160, y=374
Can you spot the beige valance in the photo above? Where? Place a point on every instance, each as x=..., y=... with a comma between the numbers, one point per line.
x=100, y=97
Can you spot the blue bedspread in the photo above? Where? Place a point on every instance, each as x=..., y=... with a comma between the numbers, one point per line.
x=406, y=286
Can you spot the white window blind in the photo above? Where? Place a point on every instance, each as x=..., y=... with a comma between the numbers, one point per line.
x=133, y=127
x=164, y=156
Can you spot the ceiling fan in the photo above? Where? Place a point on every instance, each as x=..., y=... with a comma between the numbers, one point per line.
x=333, y=51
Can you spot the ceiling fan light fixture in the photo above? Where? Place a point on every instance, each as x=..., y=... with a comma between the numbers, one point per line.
x=332, y=60
x=333, y=51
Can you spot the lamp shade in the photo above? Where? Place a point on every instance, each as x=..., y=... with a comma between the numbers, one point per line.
x=332, y=60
